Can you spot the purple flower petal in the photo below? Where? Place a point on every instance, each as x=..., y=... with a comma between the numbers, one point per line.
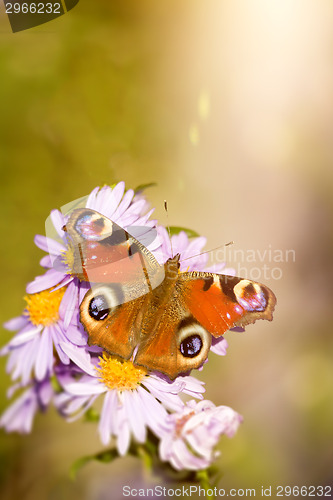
x=132, y=214
x=25, y=335
x=19, y=416
x=123, y=205
x=49, y=245
x=155, y=413
x=219, y=346
x=170, y=401
x=80, y=357
x=46, y=261
x=67, y=279
x=83, y=289
x=59, y=337
x=110, y=205
x=82, y=402
x=92, y=198
x=28, y=360
x=101, y=198
x=136, y=422
x=182, y=459
x=47, y=280
x=21, y=360
x=16, y=323
x=45, y=393
x=84, y=389
x=44, y=358
x=105, y=423
x=123, y=432
x=11, y=391
x=69, y=304
x=194, y=387
x=14, y=362
x=76, y=335
x=58, y=221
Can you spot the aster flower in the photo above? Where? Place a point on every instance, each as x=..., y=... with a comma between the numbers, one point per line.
x=40, y=330
x=194, y=432
x=51, y=343
x=134, y=399
x=19, y=416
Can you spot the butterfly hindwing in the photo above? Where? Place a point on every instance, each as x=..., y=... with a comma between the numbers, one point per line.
x=177, y=344
x=202, y=305
x=110, y=323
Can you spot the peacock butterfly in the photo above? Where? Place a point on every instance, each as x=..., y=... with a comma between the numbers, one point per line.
x=163, y=318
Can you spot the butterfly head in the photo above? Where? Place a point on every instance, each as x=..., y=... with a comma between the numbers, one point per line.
x=172, y=266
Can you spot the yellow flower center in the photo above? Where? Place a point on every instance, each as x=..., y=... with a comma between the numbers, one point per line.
x=43, y=307
x=121, y=375
x=68, y=259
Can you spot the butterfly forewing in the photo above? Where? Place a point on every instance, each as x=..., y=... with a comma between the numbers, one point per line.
x=220, y=302
x=103, y=252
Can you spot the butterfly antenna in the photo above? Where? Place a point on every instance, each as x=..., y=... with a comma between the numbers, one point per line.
x=208, y=251
x=167, y=215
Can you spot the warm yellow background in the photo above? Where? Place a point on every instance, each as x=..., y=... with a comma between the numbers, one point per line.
x=228, y=106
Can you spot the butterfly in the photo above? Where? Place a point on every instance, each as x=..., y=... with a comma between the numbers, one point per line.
x=160, y=317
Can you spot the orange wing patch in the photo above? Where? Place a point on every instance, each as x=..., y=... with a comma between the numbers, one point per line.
x=119, y=332
x=220, y=302
x=176, y=345
x=214, y=310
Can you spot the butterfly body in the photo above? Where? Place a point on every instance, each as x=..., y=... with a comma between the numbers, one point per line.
x=159, y=317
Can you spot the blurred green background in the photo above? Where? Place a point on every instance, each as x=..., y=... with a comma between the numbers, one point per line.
x=228, y=106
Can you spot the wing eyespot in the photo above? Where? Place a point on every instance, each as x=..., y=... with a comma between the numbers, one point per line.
x=191, y=346
x=98, y=308
x=251, y=296
x=104, y=300
x=193, y=339
x=92, y=226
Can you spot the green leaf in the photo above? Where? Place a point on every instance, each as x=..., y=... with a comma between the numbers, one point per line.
x=91, y=415
x=104, y=457
x=107, y=456
x=55, y=384
x=77, y=465
x=142, y=187
x=177, y=229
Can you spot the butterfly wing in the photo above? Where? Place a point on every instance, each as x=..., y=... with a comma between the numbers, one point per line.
x=103, y=252
x=177, y=345
x=202, y=305
x=111, y=323
x=220, y=302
